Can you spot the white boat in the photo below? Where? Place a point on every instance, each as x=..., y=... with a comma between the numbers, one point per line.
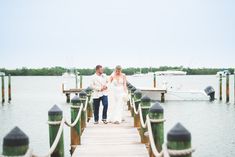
x=223, y=73
x=173, y=95
x=2, y=74
x=171, y=72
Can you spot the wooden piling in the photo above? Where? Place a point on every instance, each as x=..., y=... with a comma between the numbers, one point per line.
x=81, y=81
x=156, y=112
x=154, y=81
x=145, y=105
x=227, y=88
x=9, y=87
x=67, y=97
x=55, y=114
x=133, y=89
x=3, y=89
x=137, y=100
x=89, y=107
x=179, y=138
x=83, y=96
x=162, y=97
x=15, y=143
x=76, y=130
x=220, y=86
x=76, y=79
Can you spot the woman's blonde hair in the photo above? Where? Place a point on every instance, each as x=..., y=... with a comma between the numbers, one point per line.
x=118, y=67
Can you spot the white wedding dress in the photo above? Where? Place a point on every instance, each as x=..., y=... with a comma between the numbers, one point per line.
x=116, y=101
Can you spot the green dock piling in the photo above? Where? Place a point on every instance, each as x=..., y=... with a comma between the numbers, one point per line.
x=76, y=130
x=137, y=100
x=179, y=138
x=145, y=105
x=15, y=143
x=54, y=115
x=156, y=112
x=83, y=97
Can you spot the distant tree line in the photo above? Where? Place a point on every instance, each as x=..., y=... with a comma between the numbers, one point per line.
x=57, y=71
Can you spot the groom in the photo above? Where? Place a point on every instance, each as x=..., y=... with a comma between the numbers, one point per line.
x=99, y=85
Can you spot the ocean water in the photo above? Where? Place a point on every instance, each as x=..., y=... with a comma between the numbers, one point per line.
x=212, y=124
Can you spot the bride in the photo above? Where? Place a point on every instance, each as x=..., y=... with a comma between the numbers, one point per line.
x=117, y=94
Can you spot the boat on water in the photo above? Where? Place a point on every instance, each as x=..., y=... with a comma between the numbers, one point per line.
x=71, y=73
x=223, y=73
x=171, y=72
x=2, y=74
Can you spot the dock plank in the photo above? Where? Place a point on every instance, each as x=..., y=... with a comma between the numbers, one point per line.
x=114, y=140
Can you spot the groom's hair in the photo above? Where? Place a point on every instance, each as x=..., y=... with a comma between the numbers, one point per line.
x=98, y=67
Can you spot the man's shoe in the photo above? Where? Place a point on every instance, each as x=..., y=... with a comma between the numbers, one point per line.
x=105, y=121
x=96, y=122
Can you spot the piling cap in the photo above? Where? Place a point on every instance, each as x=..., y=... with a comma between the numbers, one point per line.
x=133, y=89
x=145, y=99
x=55, y=110
x=82, y=94
x=156, y=108
x=88, y=90
x=138, y=94
x=15, y=138
x=178, y=133
x=75, y=99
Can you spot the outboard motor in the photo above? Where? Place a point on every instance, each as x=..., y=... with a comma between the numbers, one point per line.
x=210, y=92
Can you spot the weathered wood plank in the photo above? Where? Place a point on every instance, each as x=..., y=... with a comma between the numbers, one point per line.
x=114, y=140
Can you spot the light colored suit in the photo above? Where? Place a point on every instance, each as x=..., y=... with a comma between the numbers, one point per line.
x=97, y=83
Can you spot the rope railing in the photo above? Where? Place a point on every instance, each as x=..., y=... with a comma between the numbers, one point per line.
x=165, y=152
x=60, y=131
x=77, y=118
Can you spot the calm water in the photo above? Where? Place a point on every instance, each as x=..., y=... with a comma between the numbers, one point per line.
x=212, y=124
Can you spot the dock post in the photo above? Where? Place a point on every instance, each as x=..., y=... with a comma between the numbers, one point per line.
x=9, y=88
x=179, y=138
x=83, y=97
x=137, y=100
x=89, y=107
x=129, y=91
x=145, y=105
x=67, y=97
x=3, y=89
x=133, y=89
x=80, y=81
x=156, y=112
x=162, y=97
x=76, y=130
x=76, y=79
x=227, y=88
x=55, y=114
x=15, y=143
x=220, y=86
x=154, y=81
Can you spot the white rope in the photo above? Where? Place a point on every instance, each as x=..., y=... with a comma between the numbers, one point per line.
x=151, y=140
x=143, y=124
x=157, y=120
x=53, y=122
x=134, y=107
x=86, y=104
x=180, y=152
x=56, y=141
x=77, y=118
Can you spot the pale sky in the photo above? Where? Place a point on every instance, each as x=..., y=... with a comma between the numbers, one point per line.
x=137, y=33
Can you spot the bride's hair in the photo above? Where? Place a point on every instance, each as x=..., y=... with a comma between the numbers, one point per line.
x=118, y=67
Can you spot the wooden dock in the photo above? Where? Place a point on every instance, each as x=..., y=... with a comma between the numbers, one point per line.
x=111, y=140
